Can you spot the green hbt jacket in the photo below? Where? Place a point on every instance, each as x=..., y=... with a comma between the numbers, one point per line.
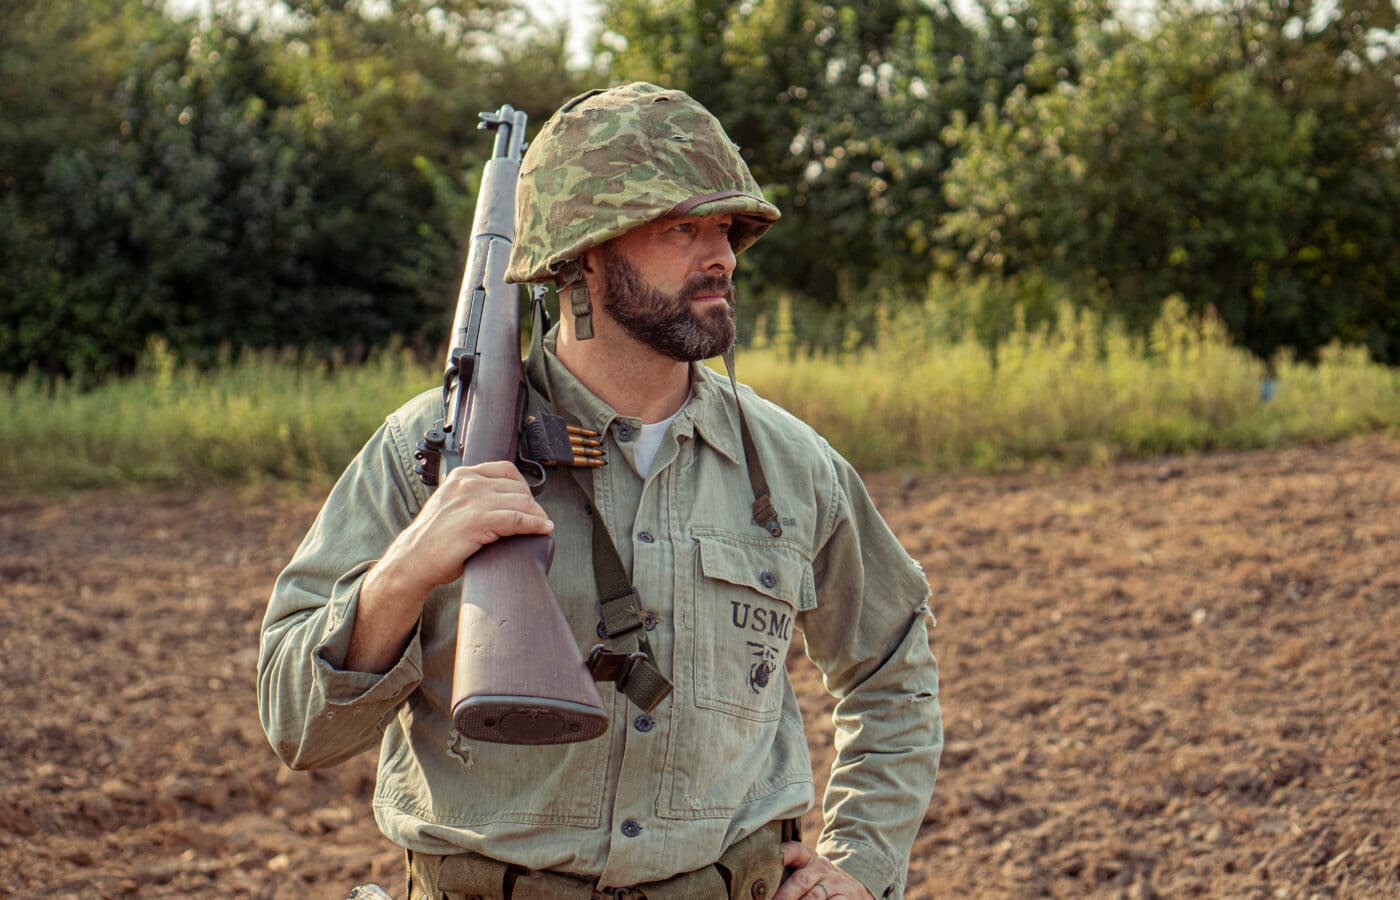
x=725, y=753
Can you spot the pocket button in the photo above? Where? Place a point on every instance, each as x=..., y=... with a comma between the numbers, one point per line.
x=766, y=579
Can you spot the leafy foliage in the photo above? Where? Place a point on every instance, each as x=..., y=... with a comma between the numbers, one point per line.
x=254, y=185
x=837, y=111
x=1245, y=161
x=307, y=178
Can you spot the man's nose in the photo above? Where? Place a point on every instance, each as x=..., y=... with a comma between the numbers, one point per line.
x=718, y=255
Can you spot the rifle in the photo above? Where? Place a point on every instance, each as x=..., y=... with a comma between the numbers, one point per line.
x=519, y=677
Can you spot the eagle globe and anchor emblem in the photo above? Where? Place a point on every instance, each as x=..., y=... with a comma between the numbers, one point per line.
x=763, y=666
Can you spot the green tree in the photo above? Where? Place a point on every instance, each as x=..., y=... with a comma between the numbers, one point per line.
x=1193, y=160
x=59, y=65
x=52, y=100
x=842, y=111
x=837, y=111
x=1339, y=65
x=297, y=183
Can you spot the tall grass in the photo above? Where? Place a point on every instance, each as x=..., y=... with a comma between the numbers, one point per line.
x=1078, y=390
x=262, y=416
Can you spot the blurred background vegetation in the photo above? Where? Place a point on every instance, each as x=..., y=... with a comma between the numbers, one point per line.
x=300, y=174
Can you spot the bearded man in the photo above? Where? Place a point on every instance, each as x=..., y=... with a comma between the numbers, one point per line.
x=635, y=204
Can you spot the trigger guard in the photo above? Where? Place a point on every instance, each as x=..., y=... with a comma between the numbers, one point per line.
x=521, y=463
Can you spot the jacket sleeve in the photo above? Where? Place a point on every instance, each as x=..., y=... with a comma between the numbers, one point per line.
x=869, y=637
x=314, y=712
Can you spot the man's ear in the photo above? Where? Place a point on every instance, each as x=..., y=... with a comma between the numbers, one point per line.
x=593, y=268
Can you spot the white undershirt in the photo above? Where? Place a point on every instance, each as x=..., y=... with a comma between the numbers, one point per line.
x=649, y=441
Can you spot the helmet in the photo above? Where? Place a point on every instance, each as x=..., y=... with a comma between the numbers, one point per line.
x=611, y=160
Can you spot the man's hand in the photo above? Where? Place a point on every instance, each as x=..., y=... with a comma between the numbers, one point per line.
x=473, y=506
x=816, y=878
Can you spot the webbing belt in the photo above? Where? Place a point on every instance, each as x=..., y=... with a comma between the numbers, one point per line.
x=751, y=868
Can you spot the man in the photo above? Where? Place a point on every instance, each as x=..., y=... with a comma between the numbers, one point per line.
x=635, y=203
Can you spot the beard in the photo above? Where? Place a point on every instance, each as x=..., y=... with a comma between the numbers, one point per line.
x=665, y=322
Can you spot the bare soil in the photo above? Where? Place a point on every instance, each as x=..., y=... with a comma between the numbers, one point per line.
x=1170, y=678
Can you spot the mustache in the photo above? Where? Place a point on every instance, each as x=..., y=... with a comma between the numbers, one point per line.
x=699, y=284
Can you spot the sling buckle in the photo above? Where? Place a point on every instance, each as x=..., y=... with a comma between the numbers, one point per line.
x=636, y=676
x=606, y=665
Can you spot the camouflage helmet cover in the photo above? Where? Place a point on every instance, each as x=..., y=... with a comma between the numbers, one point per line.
x=609, y=161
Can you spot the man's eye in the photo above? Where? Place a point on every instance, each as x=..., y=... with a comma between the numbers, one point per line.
x=683, y=227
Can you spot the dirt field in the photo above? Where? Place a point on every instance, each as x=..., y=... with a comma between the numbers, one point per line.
x=1173, y=678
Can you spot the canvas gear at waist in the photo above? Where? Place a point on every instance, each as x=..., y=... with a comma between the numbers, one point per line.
x=749, y=870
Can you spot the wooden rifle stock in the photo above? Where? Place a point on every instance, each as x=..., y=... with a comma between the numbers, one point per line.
x=519, y=677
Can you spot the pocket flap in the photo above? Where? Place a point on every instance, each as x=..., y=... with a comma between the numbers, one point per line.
x=773, y=569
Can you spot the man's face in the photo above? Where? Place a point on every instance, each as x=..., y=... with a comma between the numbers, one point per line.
x=669, y=286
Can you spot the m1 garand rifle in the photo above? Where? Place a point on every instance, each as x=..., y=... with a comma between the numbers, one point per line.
x=519, y=676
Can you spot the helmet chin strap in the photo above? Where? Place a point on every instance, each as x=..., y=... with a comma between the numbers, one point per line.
x=571, y=279
x=764, y=515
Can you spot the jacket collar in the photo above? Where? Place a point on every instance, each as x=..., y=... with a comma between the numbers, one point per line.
x=709, y=415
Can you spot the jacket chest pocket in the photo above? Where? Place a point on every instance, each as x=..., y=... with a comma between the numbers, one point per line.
x=747, y=596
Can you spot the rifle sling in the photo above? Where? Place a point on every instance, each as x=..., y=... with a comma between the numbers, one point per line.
x=635, y=672
x=626, y=658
